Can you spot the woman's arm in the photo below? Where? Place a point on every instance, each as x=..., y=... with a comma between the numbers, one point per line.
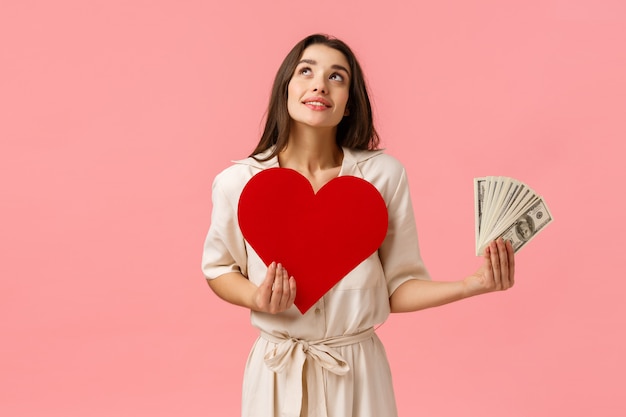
x=496, y=274
x=275, y=294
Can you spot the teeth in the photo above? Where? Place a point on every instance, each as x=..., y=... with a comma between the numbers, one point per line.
x=315, y=103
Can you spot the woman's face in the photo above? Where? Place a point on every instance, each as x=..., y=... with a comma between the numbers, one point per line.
x=319, y=88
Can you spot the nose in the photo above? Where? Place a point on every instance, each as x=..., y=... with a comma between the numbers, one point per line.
x=319, y=85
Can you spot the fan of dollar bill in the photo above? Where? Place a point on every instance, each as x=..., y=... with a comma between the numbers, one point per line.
x=507, y=208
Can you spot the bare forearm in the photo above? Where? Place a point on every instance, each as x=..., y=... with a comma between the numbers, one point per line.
x=496, y=274
x=417, y=295
x=275, y=294
x=234, y=288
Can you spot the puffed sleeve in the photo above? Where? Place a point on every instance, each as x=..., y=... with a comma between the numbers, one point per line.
x=400, y=253
x=224, y=247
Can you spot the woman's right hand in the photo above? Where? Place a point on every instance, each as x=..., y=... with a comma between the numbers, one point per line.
x=277, y=292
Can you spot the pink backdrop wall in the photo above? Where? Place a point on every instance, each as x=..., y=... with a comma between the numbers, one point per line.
x=116, y=115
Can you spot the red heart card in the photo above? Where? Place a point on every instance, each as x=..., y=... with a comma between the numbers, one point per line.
x=319, y=238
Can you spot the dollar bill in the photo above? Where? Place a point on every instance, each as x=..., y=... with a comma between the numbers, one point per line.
x=528, y=225
x=479, y=196
x=505, y=207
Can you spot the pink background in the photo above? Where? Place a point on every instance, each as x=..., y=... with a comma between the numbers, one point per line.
x=116, y=115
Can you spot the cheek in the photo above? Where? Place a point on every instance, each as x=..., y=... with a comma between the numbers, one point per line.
x=294, y=92
x=295, y=88
x=344, y=93
x=291, y=97
x=344, y=99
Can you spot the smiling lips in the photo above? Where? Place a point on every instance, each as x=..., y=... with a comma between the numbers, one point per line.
x=317, y=103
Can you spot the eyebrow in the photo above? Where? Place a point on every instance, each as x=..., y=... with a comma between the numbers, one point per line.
x=314, y=62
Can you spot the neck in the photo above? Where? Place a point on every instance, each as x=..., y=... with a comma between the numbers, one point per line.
x=311, y=150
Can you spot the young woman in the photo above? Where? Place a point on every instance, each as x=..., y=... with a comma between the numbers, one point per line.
x=328, y=361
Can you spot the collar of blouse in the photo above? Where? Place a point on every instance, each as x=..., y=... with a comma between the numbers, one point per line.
x=350, y=165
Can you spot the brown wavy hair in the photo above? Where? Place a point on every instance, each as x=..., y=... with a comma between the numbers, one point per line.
x=355, y=131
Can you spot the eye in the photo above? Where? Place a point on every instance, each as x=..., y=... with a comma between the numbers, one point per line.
x=336, y=77
x=305, y=71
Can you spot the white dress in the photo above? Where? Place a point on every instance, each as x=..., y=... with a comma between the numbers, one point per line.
x=327, y=362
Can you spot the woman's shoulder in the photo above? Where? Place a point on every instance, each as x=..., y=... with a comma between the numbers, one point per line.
x=234, y=177
x=375, y=162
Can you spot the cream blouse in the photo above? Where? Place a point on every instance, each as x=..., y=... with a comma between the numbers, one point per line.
x=352, y=307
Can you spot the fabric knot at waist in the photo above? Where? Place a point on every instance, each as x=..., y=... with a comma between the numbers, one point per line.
x=304, y=344
x=289, y=356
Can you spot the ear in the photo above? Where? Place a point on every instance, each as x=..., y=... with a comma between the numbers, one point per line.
x=346, y=112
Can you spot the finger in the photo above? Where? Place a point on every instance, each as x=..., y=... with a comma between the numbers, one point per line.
x=269, y=276
x=504, y=264
x=487, y=263
x=264, y=291
x=511, y=257
x=495, y=265
x=267, y=285
x=277, y=290
x=292, y=291
x=284, y=280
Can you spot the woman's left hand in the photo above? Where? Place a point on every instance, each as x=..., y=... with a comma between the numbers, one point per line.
x=497, y=272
